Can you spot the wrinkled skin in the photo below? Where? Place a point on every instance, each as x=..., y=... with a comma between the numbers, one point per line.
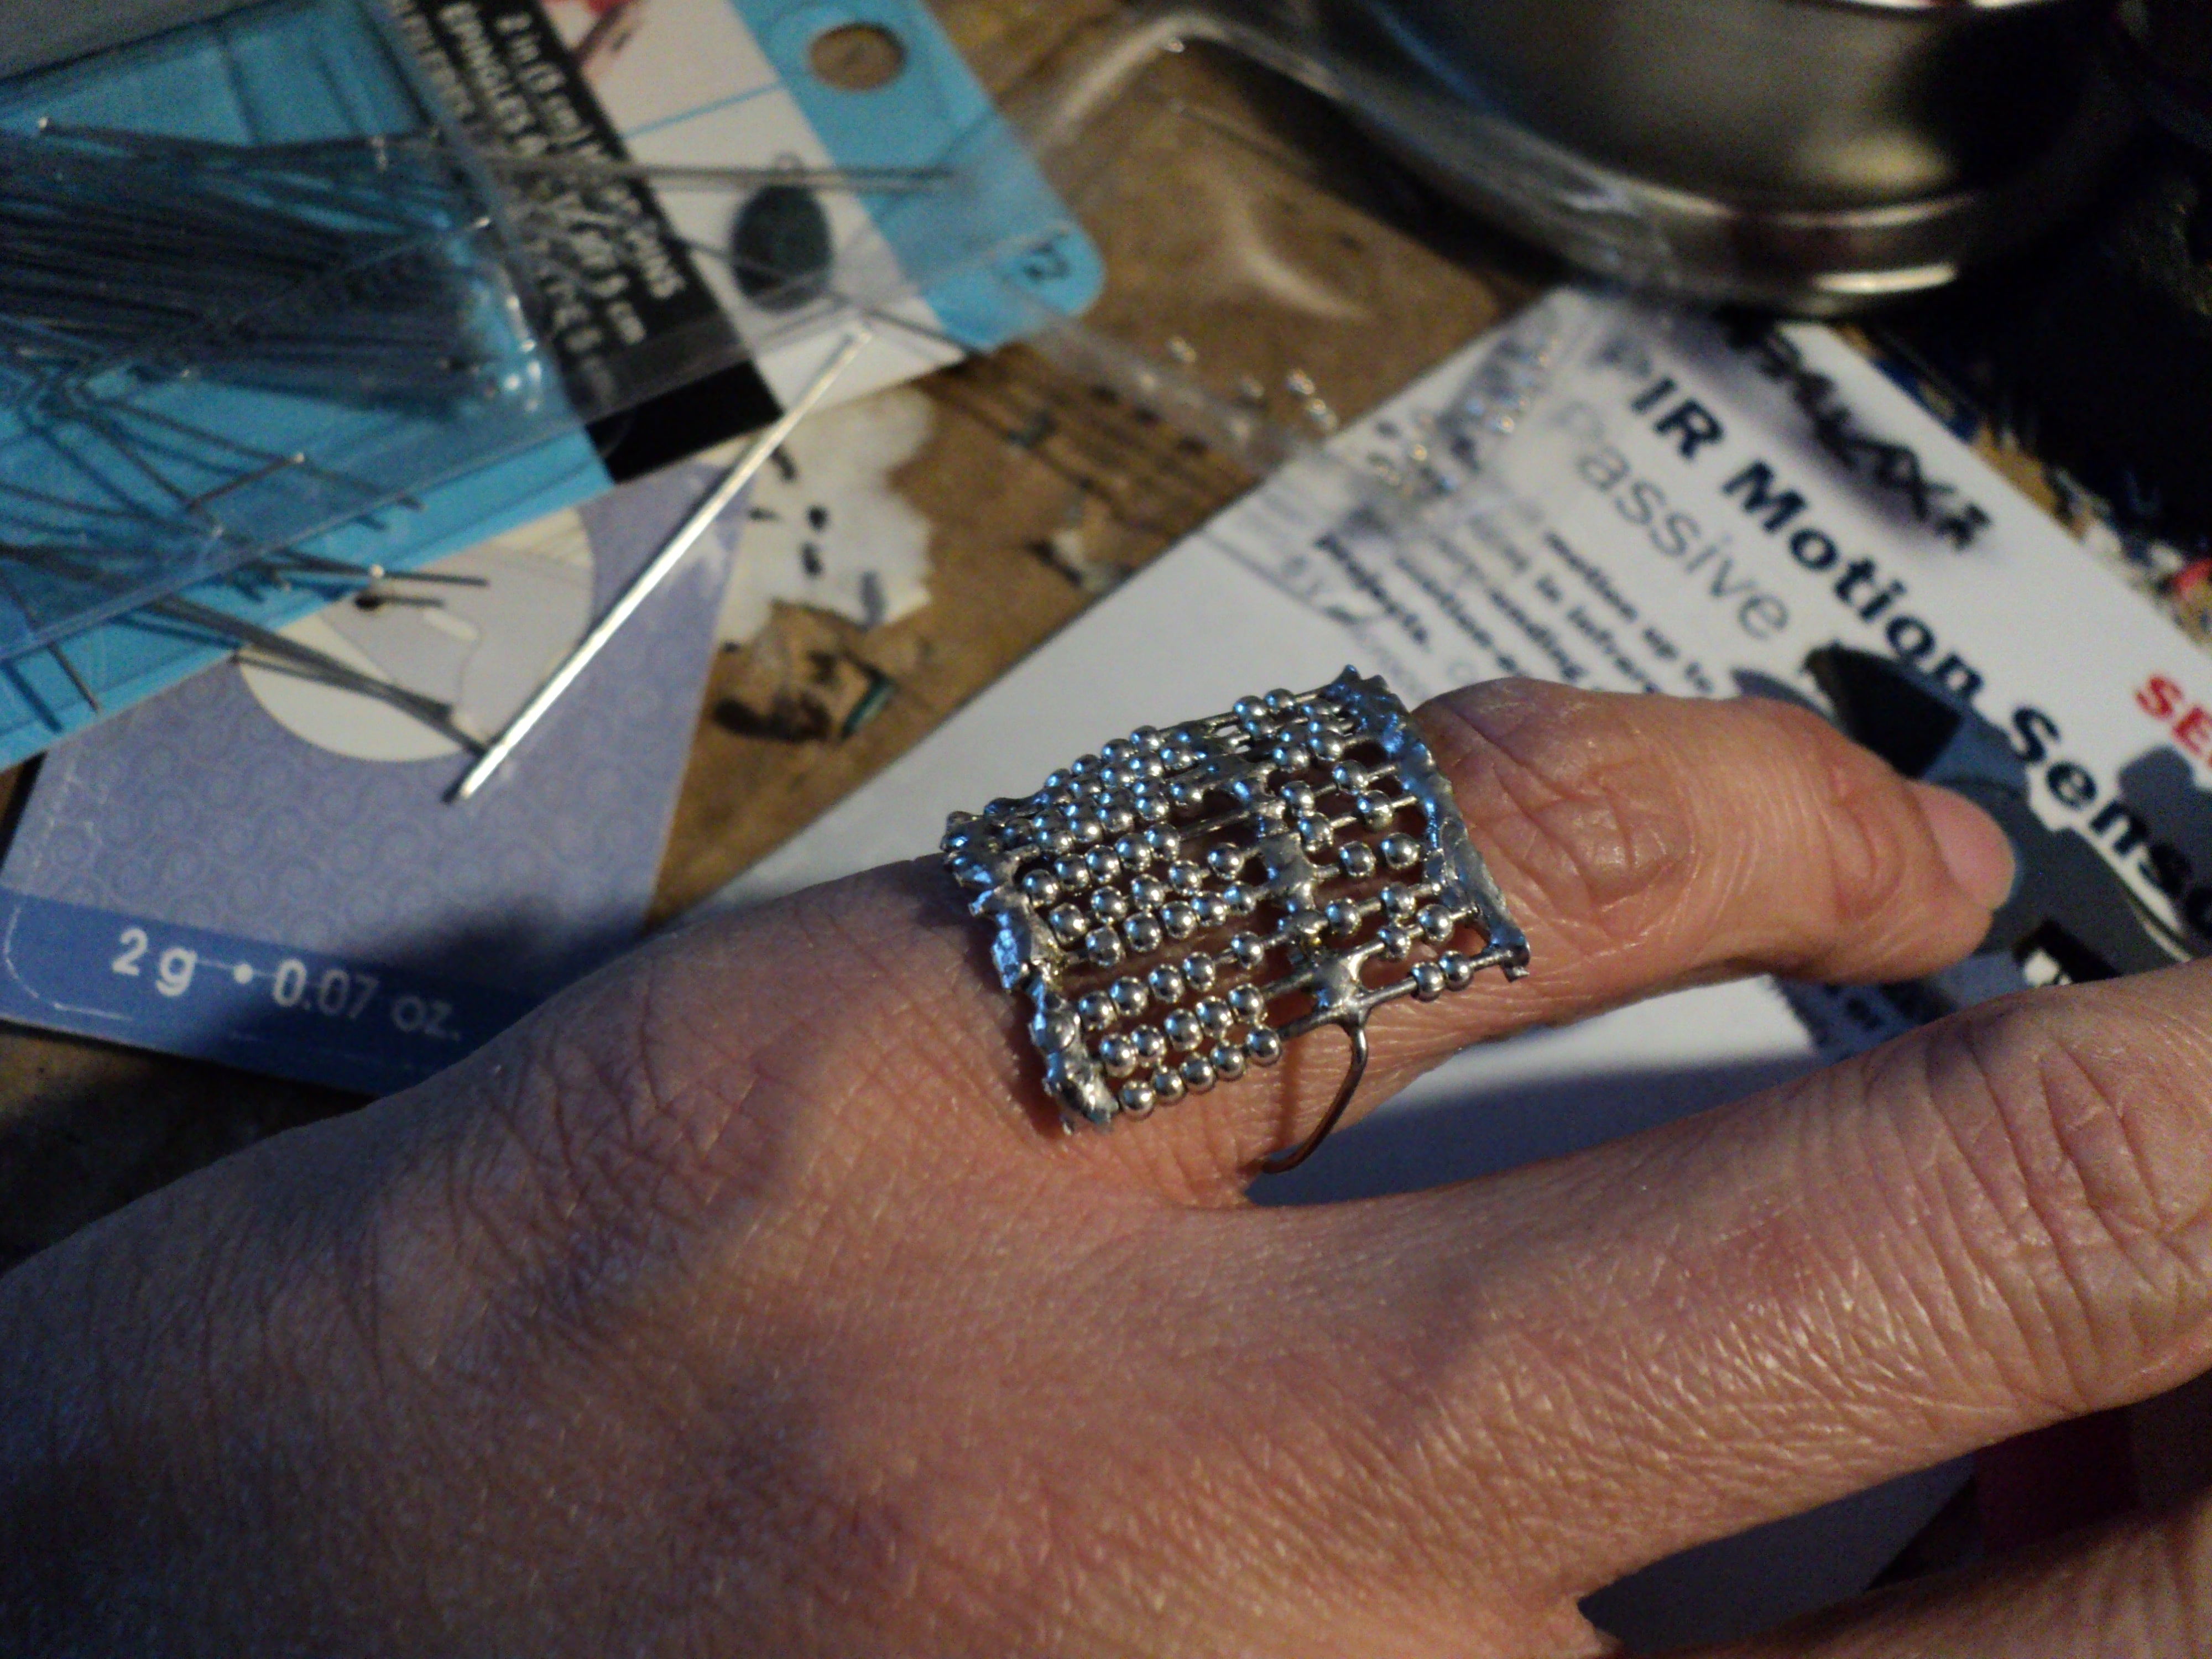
x=743, y=1301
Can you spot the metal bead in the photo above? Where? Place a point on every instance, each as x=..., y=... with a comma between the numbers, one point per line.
x=1398, y=902
x=1058, y=842
x=1246, y=1003
x=1299, y=798
x=1329, y=746
x=1041, y=887
x=1200, y=972
x=1108, y=905
x=1120, y=818
x=1089, y=830
x=1180, y=920
x=1098, y=1013
x=1114, y=753
x=1168, y=1085
x=1187, y=792
x=1249, y=708
x=1248, y=949
x=1130, y=997
x=1183, y=1031
x=1167, y=983
x=1214, y=1014
x=1165, y=842
x=1137, y=1098
x=1073, y=876
x=1154, y=808
x=1213, y=910
x=1265, y=1047
x=1135, y=856
x=1397, y=942
x=1118, y=1054
x=1083, y=765
x=1198, y=1073
x=1103, y=864
x=1228, y=1062
x=1070, y=923
x=1437, y=924
x=1459, y=971
x=1152, y=1047
x=1376, y=811
x=1103, y=946
x=1428, y=980
x=1241, y=900
x=1318, y=834
x=1227, y=862
x=1146, y=739
x=1357, y=859
x=1343, y=918
x=1293, y=757
x=1280, y=701
x=1147, y=894
x=1143, y=934
x=1399, y=852
x=1187, y=877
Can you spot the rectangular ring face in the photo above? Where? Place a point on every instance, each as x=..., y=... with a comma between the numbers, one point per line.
x=1182, y=905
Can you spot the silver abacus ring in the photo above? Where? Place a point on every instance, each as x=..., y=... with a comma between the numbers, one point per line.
x=1182, y=905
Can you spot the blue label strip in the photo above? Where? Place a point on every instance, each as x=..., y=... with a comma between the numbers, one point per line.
x=247, y=1003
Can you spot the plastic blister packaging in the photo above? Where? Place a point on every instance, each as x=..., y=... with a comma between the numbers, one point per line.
x=1272, y=275
x=285, y=272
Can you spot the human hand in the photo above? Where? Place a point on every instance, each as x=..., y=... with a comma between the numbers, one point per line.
x=743, y=1301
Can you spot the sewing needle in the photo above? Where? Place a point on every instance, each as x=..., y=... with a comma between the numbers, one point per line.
x=663, y=565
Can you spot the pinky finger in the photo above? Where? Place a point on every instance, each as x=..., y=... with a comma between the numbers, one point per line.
x=2137, y=1589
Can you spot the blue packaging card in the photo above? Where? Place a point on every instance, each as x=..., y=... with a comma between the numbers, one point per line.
x=729, y=81
x=263, y=871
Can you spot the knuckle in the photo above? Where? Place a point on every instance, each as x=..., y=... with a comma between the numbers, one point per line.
x=736, y=1062
x=2083, y=1175
x=1568, y=792
x=1754, y=823
x=596, y=1132
x=598, y=1093
x=1859, y=825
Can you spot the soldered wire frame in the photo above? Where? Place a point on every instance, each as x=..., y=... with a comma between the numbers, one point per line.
x=1184, y=904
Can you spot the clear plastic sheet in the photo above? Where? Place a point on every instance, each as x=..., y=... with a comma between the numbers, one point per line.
x=1220, y=158
x=275, y=274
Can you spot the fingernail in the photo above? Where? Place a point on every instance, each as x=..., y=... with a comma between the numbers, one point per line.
x=1978, y=853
